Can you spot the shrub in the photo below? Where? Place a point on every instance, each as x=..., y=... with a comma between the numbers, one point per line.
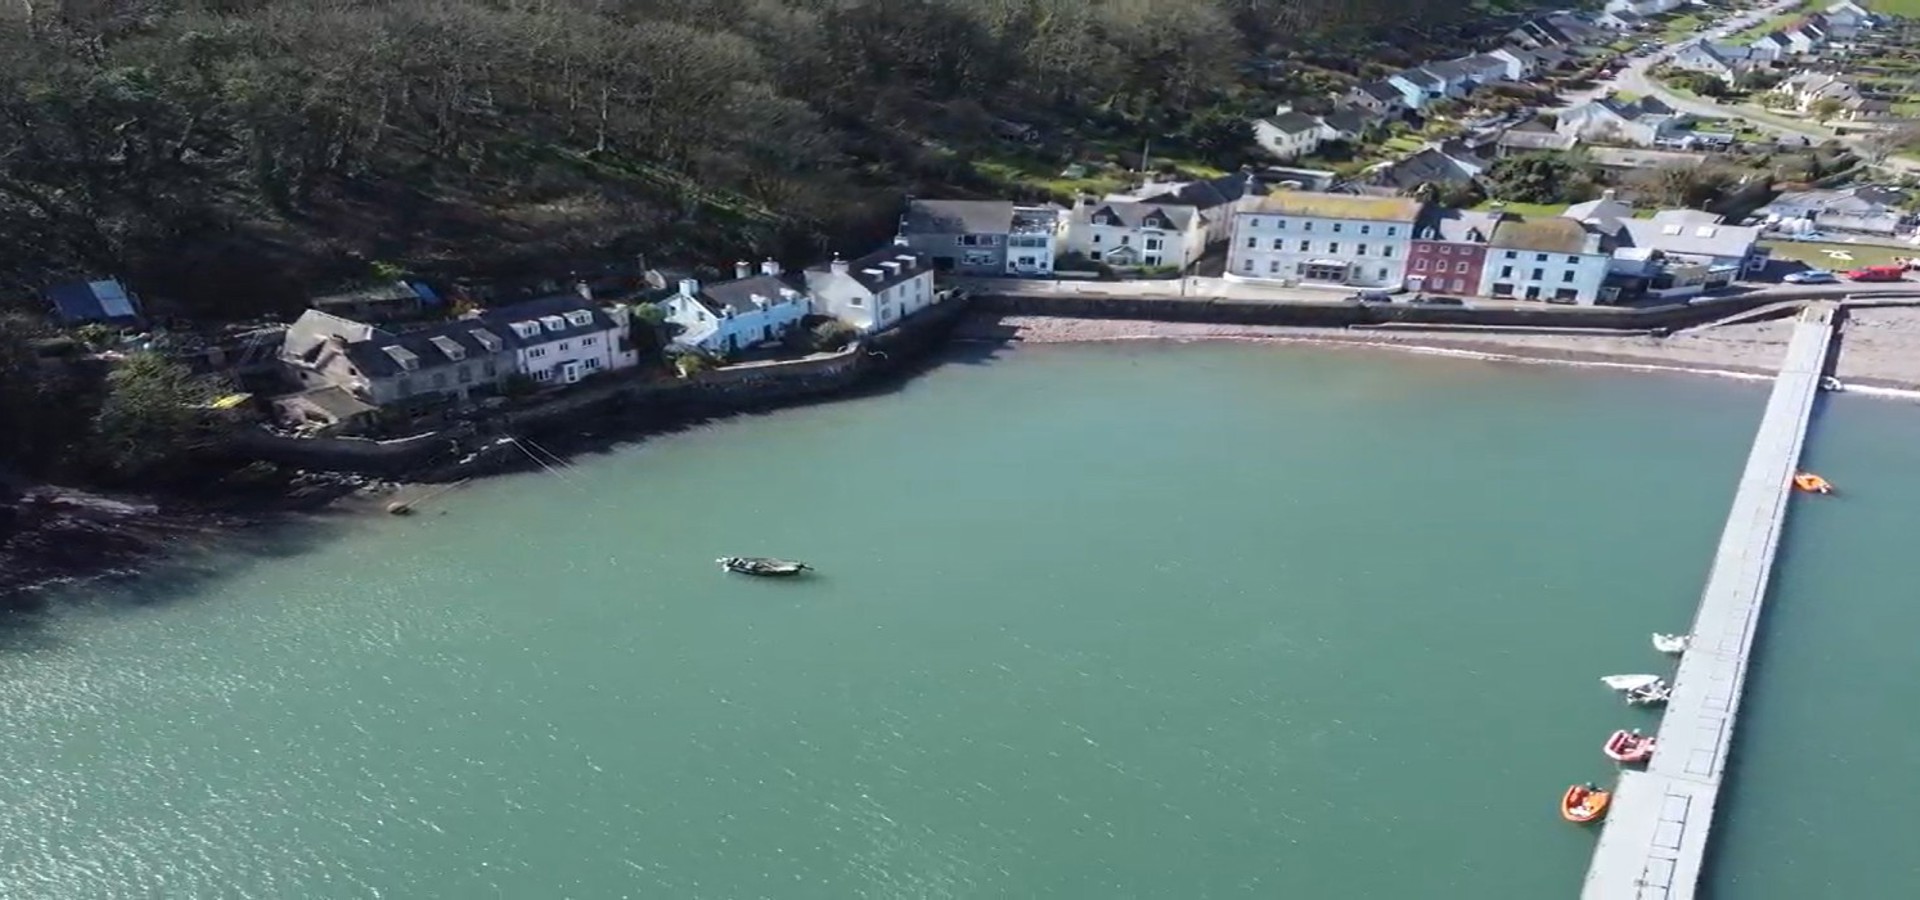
x=832, y=335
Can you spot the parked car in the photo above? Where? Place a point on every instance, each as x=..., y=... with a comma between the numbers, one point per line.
x=1437, y=300
x=1878, y=273
x=1811, y=276
x=1370, y=297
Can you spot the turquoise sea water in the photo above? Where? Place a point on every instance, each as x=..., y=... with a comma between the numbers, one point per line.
x=1139, y=621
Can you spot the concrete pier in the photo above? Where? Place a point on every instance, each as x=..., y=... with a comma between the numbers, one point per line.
x=1655, y=837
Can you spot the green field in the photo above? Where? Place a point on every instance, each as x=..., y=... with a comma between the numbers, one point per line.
x=1909, y=9
x=1821, y=255
x=1541, y=210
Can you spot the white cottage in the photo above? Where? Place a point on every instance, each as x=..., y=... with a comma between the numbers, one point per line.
x=735, y=315
x=562, y=339
x=876, y=291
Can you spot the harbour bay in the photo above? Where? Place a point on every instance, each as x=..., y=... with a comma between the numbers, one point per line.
x=1104, y=621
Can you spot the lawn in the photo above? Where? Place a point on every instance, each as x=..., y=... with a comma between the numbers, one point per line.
x=1906, y=9
x=1540, y=210
x=1780, y=21
x=1680, y=26
x=1822, y=256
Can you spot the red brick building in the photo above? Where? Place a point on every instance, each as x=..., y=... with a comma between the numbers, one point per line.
x=1449, y=251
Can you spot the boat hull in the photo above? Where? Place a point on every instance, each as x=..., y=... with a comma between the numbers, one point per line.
x=1583, y=804
x=1628, y=747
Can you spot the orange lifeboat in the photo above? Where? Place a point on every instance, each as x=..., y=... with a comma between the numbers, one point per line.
x=1811, y=483
x=1629, y=747
x=1584, y=803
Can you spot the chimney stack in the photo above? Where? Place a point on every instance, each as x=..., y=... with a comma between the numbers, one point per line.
x=838, y=266
x=743, y=269
x=690, y=287
x=585, y=291
x=769, y=267
x=1608, y=194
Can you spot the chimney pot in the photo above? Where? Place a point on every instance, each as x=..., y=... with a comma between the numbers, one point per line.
x=838, y=266
x=743, y=269
x=690, y=287
x=769, y=267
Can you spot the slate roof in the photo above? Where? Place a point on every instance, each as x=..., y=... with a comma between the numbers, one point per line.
x=372, y=357
x=1136, y=215
x=958, y=217
x=499, y=320
x=1696, y=239
x=859, y=267
x=1212, y=193
x=1349, y=121
x=1459, y=226
x=1450, y=70
x=1528, y=140
x=738, y=294
x=1294, y=123
x=1381, y=91
x=1606, y=211
x=1421, y=78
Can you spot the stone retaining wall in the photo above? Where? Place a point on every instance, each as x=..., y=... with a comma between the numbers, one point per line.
x=1330, y=315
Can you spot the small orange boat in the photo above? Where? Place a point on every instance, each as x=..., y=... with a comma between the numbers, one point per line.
x=1584, y=803
x=1811, y=483
x=1629, y=747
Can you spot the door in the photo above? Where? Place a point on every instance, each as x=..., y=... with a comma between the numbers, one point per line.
x=570, y=372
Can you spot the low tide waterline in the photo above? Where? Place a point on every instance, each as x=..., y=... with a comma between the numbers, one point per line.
x=1109, y=621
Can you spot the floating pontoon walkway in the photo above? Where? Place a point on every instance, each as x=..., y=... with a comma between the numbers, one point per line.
x=1655, y=837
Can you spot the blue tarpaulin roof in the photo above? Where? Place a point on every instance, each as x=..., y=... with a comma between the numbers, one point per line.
x=93, y=301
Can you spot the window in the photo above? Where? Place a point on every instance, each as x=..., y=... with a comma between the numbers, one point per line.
x=1506, y=271
x=1336, y=228
x=1459, y=285
x=1566, y=294
x=1512, y=255
x=1250, y=243
x=1567, y=277
x=1306, y=226
x=1460, y=266
x=1391, y=231
x=1538, y=274
x=1383, y=273
x=1386, y=252
x=1539, y=257
x=1126, y=239
x=968, y=240
x=1273, y=267
x=1573, y=260
x=1362, y=251
x=1096, y=239
x=1366, y=229
x=1299, y=268
x=1279, y=243
x=856, y=301
x=1446, y=249
x=1419, y=265
x=466, y=375
x=1095, y=255
x=1280, y=224
x=1247, y=266
x=565, y=346
x=1503, y=290
x=1253, y=223
x=1303, y=246
x=588, y=341
x=1153, y=243
x=1333, y=246
x=593, y=362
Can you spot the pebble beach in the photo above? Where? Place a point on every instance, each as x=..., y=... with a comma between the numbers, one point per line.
x=1880, y=347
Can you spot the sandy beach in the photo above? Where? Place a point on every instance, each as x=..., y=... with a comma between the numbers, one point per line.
x=1880, y=348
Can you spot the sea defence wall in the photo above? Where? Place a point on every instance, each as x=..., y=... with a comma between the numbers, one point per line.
x=622, y=404
x=1654, y=843
x=1323, y=314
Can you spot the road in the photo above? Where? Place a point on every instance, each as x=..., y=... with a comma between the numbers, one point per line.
x=1201, y=289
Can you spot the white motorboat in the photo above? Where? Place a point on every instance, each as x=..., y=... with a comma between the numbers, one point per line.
x=1629, y=682
x=1654, y=694
x=1671, y=643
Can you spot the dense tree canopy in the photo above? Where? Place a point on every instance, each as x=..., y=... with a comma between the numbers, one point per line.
x=229, y=152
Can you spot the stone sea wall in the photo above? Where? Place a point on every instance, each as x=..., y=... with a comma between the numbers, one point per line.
x=618, y=407
x=1331, y=315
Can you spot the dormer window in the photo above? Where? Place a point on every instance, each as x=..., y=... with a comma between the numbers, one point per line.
x=1103, y=219
x=488, y=340
x=450, y=347
x=408, y=360
x=527, y=329
x=554, y=323
x=580, y=318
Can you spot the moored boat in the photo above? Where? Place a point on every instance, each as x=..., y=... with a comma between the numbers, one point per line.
x=1584, y=803
x=764, y=566
x=1811, y=483
x=1655, y=694
x=1629, y=746
x=1629, y=682
x=1671, y=643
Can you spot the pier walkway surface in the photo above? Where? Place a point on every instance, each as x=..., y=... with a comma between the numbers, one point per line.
x=1655, y=837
